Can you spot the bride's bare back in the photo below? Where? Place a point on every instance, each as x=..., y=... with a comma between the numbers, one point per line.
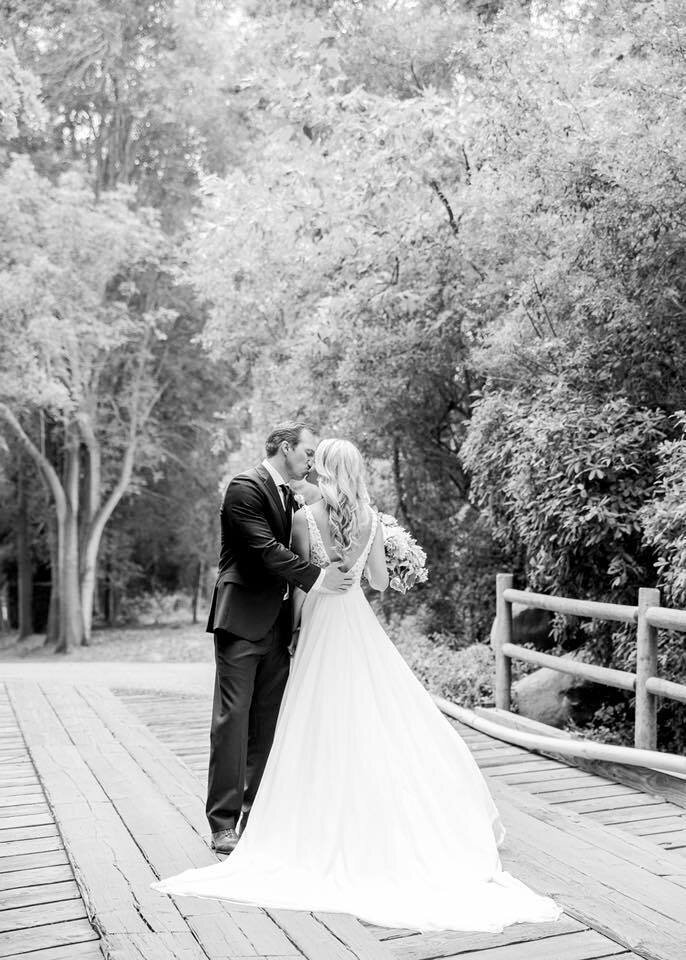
x=376, y=573
x=347, y=562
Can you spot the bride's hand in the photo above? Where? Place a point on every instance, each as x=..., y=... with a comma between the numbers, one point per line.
x=337, y=579
x=295, y=636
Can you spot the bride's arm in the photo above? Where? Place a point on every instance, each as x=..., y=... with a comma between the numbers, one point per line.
x=301, y=545
x=376, y=571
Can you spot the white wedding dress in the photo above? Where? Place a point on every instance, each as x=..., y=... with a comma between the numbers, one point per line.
x=371, y=803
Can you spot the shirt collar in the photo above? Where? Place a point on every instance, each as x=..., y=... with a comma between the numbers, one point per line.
x=274, y=474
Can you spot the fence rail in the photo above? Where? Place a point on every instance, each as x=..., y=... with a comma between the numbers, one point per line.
x=648, y=616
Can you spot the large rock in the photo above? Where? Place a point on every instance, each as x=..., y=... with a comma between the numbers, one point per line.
x=552, y=697
x=530, y=625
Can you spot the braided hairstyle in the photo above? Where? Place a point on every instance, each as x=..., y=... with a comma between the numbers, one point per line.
x=342, y=484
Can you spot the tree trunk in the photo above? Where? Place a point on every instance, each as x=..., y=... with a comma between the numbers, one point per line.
x=4, y=607
x=24, y=565
x=199, y=576
x=88, y=569
x=71, y=621
x=89, y=562
x=53, y=628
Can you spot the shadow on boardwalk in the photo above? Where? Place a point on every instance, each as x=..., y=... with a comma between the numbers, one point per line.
x=102, y=791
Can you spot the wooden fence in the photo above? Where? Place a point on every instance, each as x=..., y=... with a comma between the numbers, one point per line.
x=648, y=616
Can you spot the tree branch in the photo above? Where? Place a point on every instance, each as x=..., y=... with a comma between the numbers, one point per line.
x=454, y=224
x=545, y=309
x=39, y=459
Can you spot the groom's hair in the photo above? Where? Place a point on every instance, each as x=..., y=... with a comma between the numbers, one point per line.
x=289, y=431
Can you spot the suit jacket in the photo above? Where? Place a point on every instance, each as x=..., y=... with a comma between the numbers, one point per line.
x=255, y=562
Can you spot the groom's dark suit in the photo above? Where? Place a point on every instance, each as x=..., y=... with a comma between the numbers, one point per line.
x=250, y=620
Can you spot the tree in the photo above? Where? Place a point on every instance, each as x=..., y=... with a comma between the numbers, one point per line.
x=78, y=285
x=20, y=106
x=138, y=93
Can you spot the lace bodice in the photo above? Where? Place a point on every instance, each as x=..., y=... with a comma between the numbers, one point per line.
x=318, y=552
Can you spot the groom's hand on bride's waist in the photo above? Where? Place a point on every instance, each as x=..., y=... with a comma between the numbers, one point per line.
x=336, y=579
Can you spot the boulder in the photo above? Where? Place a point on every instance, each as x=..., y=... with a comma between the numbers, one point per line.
x=530, y=625
x=552, y=697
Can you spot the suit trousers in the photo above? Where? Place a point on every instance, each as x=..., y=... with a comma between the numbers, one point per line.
x=249, y=683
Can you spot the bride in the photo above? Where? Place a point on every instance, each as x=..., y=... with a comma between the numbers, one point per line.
x=371, y=803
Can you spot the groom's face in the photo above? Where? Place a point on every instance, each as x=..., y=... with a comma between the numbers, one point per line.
x=300, y=458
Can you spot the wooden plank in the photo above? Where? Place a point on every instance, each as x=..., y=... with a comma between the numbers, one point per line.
x=51, y=913
x=355, y=936
x=23, y=810
x=558, y=778
x=153, y=946
x=88, y=950
x=12, y=788
x=587, y=945
x=653, y=811
x=10, y=754
x=40, y=893
x=663, y=785
x=13, y=880
x=486, y=745
x=661, y=826
x=27, y=820
x=588, y=793
x=41, y=938
x=13, y=848
x=311, y=937
x=178, y=785
x=32, y=861
x=389, y=933
x=432, y=946
x=528, y=767
x=19, y=779
x=524, y=761
x=675, y=841
x=29, y=832
x=604, y=804
x=22, y=799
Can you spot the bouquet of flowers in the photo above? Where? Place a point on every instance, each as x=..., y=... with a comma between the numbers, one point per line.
x=405, y=559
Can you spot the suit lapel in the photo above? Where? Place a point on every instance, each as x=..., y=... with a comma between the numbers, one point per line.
x=271, y=489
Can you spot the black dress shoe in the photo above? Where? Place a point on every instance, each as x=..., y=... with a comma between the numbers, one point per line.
x=224, y=841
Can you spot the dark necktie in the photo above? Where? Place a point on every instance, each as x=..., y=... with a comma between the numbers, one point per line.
x=288, y=498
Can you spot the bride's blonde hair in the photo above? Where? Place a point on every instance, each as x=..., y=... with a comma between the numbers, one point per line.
x=342, y=484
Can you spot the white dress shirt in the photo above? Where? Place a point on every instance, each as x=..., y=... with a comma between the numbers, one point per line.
x=278, y=480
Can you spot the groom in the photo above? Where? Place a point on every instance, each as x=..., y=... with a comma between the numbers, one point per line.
x=251, y=620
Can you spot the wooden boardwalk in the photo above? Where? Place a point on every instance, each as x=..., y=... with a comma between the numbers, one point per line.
x=102, y=792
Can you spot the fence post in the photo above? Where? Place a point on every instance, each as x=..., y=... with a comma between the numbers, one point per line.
x=645, y=732
x=503, y=634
